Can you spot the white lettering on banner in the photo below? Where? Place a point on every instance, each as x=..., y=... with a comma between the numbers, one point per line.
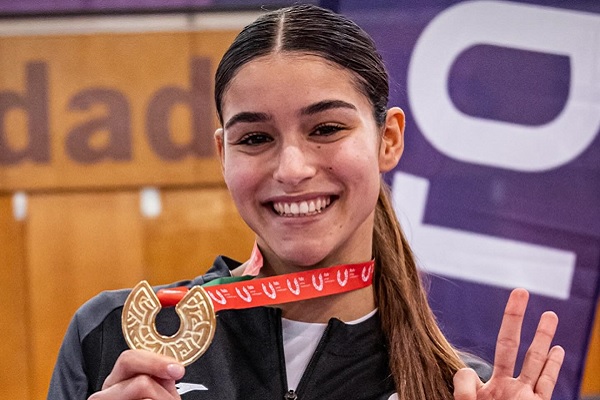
x=476, y=257
x=497, y=143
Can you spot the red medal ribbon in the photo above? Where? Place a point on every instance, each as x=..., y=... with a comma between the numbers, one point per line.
x=281, y=289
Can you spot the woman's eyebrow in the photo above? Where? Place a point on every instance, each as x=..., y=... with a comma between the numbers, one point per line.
x=326, y=105
x=247, y=116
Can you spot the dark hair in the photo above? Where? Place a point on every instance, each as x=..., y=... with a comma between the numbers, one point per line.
x=301, y=29
x=422, y=362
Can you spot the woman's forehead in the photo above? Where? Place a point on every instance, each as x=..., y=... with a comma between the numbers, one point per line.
x=291, y=76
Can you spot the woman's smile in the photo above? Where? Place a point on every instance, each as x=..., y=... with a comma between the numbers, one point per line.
x=301, y=208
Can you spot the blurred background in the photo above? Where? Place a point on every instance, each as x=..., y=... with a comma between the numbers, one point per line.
x=108, y=173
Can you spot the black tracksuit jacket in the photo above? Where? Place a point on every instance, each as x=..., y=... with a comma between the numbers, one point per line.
x=245, y=360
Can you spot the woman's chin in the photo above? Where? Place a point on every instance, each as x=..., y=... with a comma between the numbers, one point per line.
x=304, y=258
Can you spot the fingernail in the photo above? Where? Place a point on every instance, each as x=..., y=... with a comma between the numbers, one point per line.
x=176, y=371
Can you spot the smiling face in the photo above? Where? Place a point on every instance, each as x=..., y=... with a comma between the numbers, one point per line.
x=302, y=156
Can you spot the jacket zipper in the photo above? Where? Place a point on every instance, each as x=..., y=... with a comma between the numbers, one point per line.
x=290, y=395
x=294, y=395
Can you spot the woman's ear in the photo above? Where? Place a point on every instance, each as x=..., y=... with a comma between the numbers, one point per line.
x=220, y=147
x=392, y=140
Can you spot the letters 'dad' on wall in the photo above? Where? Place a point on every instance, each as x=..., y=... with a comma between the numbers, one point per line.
x=105, y=109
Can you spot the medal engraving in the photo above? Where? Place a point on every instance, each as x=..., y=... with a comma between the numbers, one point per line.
x=196, y=330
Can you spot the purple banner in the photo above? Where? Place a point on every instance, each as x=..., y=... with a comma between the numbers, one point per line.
x=499, y=186
x=50, y=7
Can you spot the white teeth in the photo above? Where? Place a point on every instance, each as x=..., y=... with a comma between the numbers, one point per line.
x=303, y=207
x=309, y=207
x=294, y=208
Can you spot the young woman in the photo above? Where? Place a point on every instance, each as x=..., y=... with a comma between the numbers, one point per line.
x=306, y=134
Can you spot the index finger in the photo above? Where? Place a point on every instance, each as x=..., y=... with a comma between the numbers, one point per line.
x=137, y=362
x=509, y=336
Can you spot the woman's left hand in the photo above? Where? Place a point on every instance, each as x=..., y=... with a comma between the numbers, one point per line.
x=540, y=368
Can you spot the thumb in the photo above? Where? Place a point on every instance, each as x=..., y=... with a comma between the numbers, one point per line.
x=466, y=383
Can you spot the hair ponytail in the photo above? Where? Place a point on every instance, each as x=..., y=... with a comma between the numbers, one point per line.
x=420, y=356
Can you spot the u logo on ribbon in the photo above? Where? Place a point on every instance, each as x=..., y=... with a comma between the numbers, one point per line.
x=295, y=290
x=366, y=272
x=272, y=294
x=247, y=297
x=220, y=299
x=318, y=286
x=341, y=281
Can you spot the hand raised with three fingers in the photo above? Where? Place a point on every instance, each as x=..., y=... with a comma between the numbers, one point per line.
x=140, y=374
x=540, y=368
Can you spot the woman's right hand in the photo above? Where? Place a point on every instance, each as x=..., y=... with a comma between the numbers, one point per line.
x=140, y=374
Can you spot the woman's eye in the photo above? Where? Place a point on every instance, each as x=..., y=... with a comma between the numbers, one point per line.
x=327, y=130
x=254, y=139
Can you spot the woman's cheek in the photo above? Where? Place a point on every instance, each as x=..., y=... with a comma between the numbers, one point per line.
x=354, y=165
x=240, y=182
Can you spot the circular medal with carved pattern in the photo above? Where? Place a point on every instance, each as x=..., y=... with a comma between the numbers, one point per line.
x=196, y=330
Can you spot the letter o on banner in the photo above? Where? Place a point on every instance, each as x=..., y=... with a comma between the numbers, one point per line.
x=498, y=143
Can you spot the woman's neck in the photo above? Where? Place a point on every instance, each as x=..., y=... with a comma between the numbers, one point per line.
x=346, y=307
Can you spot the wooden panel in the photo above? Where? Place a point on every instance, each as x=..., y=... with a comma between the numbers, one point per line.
x=591, y=378
x=78, y=245
x=103, y=110
x=194, y=227
x=14, y=346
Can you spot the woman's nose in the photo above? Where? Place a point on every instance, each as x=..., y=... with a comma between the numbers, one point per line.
x=293, y=166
